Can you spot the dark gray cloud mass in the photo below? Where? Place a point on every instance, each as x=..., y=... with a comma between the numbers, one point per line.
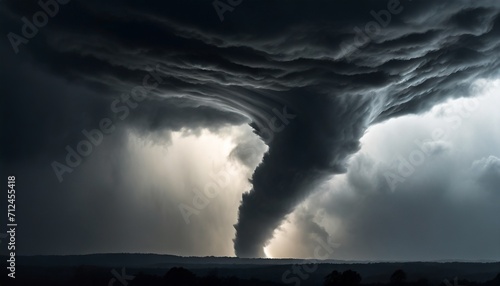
x=264, y=56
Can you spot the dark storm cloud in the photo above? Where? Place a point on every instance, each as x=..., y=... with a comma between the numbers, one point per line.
x=265, y=55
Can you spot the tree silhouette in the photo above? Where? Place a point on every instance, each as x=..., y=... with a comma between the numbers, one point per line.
x=398, y=277
x=350, y=277
x=334, y=278
x=347, y=278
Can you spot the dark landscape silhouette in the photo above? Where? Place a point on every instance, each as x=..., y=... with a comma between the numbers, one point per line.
x=160, y=270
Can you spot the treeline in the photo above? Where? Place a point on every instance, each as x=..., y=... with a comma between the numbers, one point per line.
x=179, y=276
x=398, y=278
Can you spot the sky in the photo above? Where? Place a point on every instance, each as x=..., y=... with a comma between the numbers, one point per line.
x=254, y=128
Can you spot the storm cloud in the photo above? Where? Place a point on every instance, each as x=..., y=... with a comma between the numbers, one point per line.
x=308, y=77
